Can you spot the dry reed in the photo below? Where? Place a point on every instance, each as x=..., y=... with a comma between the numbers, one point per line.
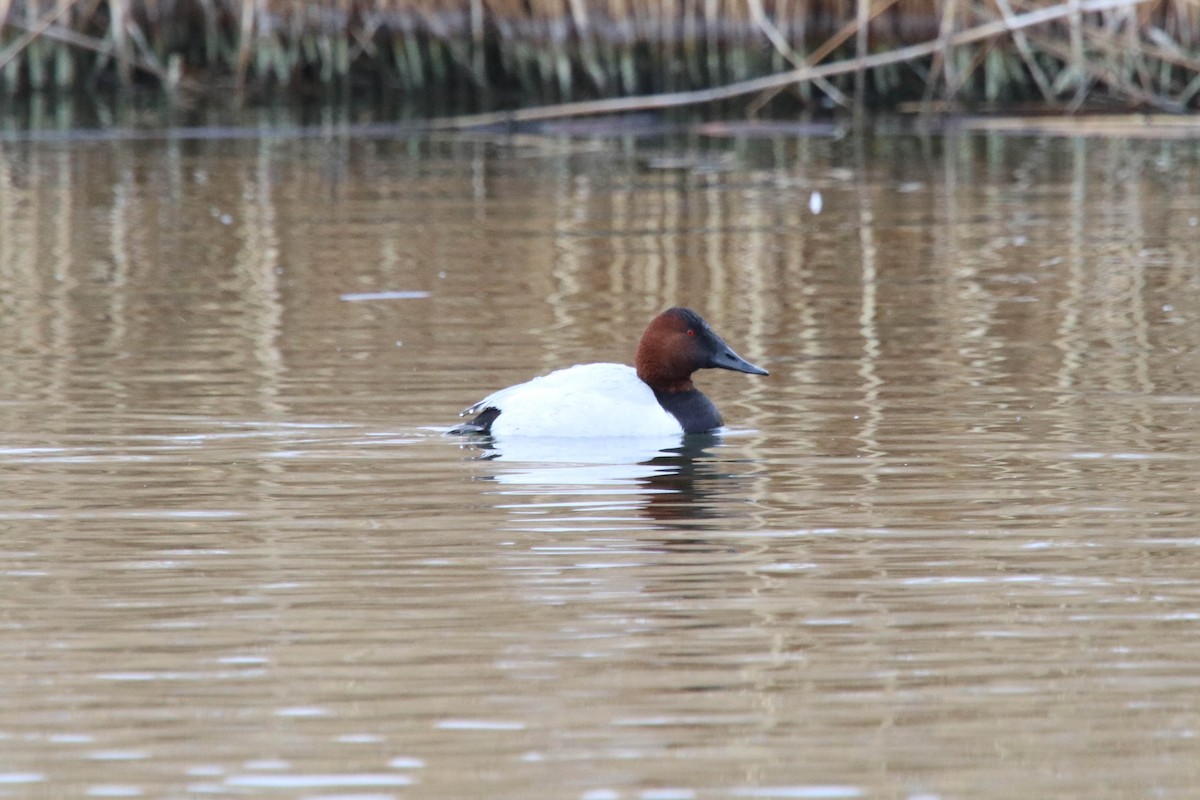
x=1139, y=53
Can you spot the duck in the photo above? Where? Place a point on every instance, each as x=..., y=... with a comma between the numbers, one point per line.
x=656, y=397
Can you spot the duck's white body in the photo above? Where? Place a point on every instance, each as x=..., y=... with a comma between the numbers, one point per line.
x=583, y=400
x=657, y=398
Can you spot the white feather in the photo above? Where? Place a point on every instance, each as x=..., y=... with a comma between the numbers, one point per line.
x=584, y=400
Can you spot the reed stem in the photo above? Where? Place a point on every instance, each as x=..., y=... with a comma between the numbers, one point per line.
x=1142, y=52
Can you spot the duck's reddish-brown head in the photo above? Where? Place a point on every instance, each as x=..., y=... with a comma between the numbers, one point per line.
x=677, y=343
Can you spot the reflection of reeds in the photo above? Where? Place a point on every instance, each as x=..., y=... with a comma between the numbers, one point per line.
x=1143, y=52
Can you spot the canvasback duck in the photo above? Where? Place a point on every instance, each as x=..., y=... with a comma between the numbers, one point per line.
x=657, y=398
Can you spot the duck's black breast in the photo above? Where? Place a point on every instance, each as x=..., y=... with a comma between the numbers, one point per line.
x=695, y=412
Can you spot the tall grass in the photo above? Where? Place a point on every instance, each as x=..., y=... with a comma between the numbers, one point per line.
x=507, y=52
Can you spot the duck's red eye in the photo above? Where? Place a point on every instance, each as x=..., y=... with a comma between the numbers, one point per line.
x=691, y=332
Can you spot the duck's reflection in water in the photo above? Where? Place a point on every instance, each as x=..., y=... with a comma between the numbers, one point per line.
x=593, y=484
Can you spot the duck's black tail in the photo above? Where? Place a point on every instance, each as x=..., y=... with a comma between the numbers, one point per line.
x=480, y=426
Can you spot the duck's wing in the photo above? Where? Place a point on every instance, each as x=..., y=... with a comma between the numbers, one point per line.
x=584, y=400
x=586, y=376
x=490, y=407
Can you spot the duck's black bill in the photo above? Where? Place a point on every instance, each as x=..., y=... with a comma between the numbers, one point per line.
x=727, y=359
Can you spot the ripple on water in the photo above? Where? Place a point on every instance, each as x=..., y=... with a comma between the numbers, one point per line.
x=315, y=781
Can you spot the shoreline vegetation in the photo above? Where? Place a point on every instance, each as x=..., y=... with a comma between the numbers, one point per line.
x=546, y=59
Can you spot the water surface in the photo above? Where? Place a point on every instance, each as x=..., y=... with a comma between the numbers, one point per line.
x=945, y=550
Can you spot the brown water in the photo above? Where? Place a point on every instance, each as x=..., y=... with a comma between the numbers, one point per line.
x=947, y=550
